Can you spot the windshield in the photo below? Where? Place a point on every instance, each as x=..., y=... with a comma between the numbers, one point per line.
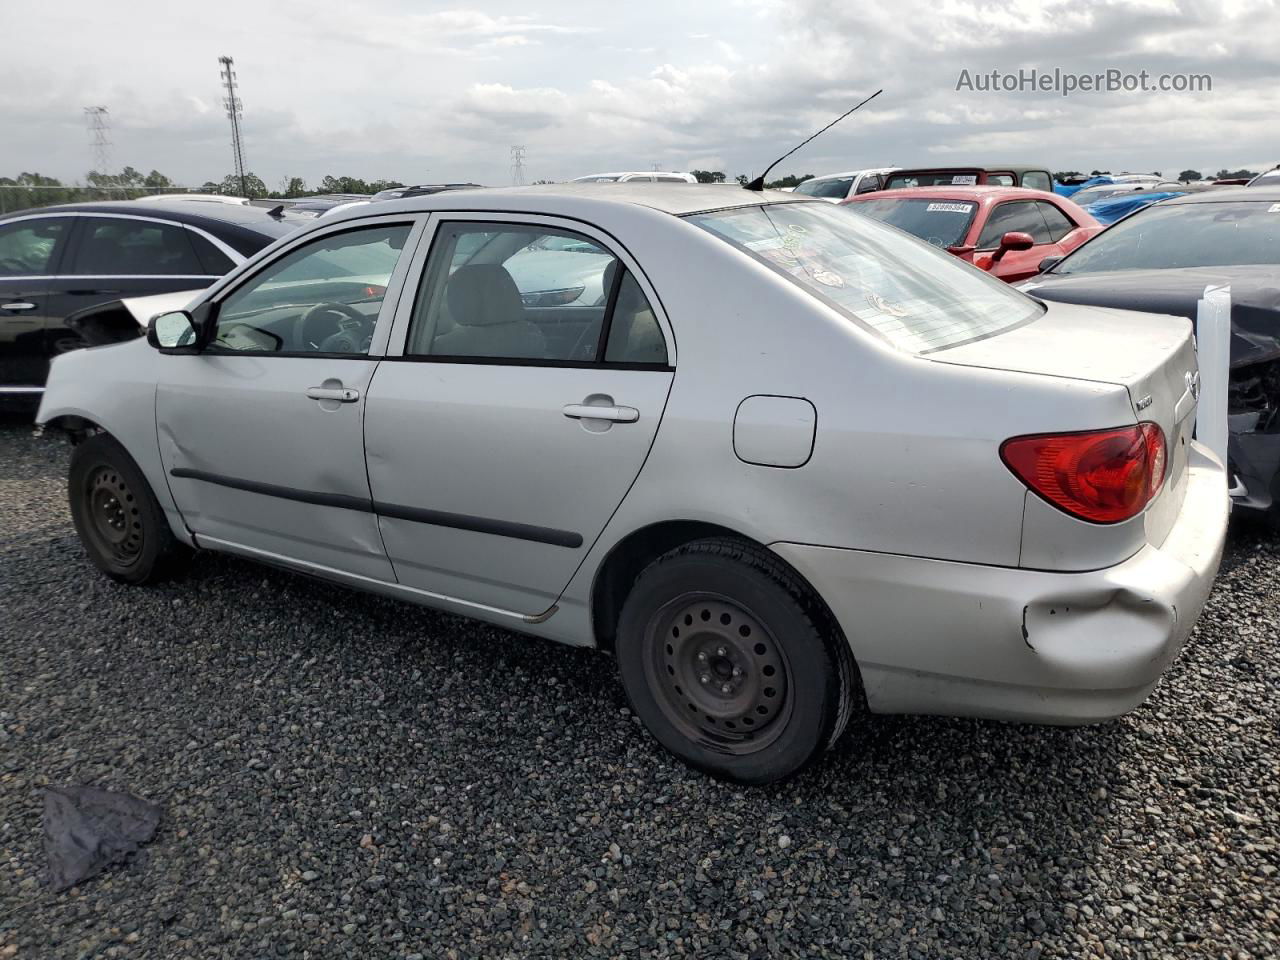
x=942, y=223
x=917, y=298
x=1183, y=235
x=836, y=187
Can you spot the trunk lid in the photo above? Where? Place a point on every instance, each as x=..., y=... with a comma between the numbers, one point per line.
x=1153, y=357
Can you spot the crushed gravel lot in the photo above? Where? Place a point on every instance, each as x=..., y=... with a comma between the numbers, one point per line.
x=344, y=775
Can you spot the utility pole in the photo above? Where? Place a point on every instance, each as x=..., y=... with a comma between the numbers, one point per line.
x=235, y=112
x=517, y=166
x=99, y=138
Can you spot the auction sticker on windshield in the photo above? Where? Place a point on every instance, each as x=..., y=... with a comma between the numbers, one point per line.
x=964, y=180
x=948, y=208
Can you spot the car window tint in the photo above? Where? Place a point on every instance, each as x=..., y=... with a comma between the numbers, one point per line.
x=634, y=334
x=836, y=188
x=1021, y=216
x=323, y=297
x=27, y=246
x=1037, y=180
x=943, y=223
x=511, y=291
x=214, y=261
x=121, y=248
x=869, y=183
x=1059, y=224
x=999, y=179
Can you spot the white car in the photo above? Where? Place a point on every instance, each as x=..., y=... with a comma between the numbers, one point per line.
x=840, y=186
x=796, y=462
x=637, y=176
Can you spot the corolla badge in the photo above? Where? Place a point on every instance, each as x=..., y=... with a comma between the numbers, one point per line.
x=1193, y=383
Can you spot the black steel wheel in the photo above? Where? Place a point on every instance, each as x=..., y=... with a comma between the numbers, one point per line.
x=720, y=674
x=116, y=514
x=732, y=663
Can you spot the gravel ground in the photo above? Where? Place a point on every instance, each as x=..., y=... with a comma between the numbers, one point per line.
x=344, y=775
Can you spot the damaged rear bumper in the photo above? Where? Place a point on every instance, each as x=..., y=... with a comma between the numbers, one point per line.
x=934, y=636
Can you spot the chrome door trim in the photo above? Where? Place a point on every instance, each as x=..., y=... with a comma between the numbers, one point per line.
x=24, y=390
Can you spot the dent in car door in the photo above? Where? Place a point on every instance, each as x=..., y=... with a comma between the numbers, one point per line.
x=490, y=474
x=261, y=434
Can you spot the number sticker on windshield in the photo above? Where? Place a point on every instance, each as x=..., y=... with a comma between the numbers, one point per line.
x=947, y=208
x=964, y=180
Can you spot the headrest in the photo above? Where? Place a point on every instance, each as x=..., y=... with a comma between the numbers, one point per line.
x=483, y=295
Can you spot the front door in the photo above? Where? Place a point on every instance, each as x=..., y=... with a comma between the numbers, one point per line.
x=31, y=248
x=261, y=433
x=533, y=378
x=1015, y=216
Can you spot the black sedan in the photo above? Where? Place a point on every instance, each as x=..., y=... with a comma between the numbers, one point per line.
x=1160, y=260
x=56, y=262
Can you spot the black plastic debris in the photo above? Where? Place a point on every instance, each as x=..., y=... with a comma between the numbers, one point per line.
x=87, y=830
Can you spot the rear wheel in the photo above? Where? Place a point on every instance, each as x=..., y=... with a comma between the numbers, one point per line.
x=119, y=520
x=731, y=663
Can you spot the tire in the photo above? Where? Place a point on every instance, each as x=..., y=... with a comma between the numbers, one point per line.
x=731, y=662
x=120, y=522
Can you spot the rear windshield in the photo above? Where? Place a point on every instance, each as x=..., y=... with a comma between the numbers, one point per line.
x=837, y=187
x=942, y=223
x=913, y=295
x=1183, y=235
x=937, y=178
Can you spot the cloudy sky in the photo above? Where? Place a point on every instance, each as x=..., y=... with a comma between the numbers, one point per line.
x=423, y=91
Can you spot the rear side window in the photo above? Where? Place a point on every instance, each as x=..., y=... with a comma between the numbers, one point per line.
x=634, y=334
x=121, y=248
x=834, y=189
x=28, y=247
x=1020, y=216
x=214, y=261
x=1059, y=224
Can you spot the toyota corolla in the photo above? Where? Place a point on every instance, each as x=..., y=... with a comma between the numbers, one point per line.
x=793, y=465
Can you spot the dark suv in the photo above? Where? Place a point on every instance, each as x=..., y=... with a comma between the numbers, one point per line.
x=59, y=261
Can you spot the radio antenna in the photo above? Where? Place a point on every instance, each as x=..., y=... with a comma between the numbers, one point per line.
x=758, y=182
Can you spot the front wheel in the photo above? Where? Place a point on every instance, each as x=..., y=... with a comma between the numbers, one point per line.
x=731, y=663
x=120, y=522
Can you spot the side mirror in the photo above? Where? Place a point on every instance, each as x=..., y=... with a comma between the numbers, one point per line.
x=1048, y=263
x=173, y=332
x=1013, y=240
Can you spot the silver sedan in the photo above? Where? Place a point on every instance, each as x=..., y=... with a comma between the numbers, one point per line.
x=792, y=465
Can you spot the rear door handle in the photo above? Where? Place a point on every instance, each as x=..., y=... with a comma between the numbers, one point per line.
x=341, y=394
x=21, y=305
x=583, y=411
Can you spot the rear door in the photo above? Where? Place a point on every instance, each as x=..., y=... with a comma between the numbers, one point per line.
x=31, y=249
x=261, y=433
x=507, y=423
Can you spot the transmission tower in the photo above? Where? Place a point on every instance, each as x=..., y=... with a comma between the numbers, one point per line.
x=235, y=113
x=99, y=137
x=517, y=166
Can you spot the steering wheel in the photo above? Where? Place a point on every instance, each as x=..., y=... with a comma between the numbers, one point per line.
x=324, y=322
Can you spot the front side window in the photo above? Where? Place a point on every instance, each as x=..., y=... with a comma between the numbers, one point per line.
x=110, y=247
x=1037, y=180
x=943, y=223
x=322, y=297
x=1183, y=235
x=27, y=246
x=999, y=180
x=1016, y=216
x=512, y=291
x=914, y=296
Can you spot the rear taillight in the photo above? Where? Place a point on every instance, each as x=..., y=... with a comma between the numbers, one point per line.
x=1103, y=476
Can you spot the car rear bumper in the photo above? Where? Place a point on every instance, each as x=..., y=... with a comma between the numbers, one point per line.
x=934, y=636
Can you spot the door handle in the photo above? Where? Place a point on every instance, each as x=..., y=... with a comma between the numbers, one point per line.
x=20, y=305
x=341, y=394
x=584, y=411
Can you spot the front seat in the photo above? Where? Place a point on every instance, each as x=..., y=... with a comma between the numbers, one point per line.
x=488, y=317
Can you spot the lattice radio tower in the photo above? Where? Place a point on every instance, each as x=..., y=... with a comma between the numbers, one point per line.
x=517, y=166
x=99, y=137
x=235, y=113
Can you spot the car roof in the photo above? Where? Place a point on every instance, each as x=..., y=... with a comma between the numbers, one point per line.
x=984, y=193
x=983, y=167
x=198, y=213
x=1231, y=194
x=580, y=198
